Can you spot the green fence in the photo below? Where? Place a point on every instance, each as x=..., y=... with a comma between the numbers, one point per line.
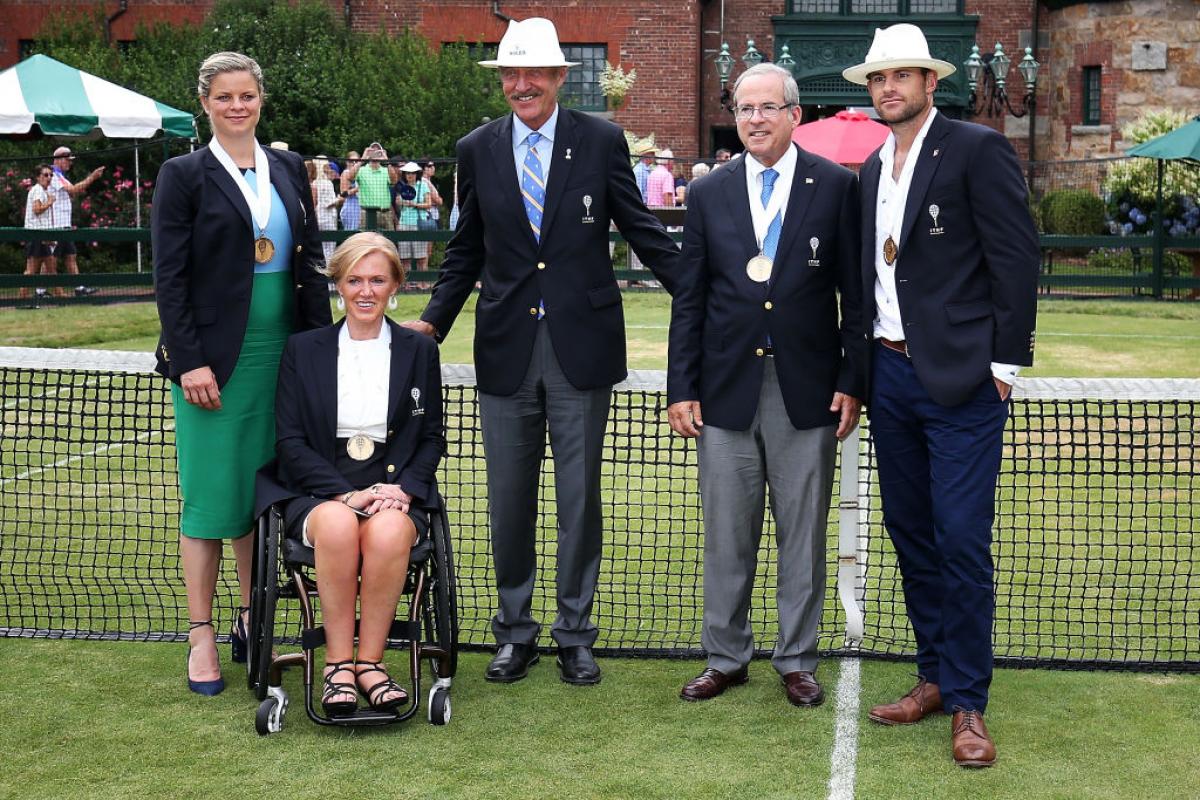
x=1072, y=266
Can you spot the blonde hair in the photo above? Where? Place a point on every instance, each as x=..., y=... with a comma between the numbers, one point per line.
x=219, y=63
x=359, y=246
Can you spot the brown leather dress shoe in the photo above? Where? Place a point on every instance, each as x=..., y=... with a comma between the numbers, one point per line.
x=803, y=689
x=712, y=682
x=973, y=746
x=923, y=700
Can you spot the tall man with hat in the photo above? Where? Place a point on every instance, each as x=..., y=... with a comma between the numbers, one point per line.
x=765, y=369
x=950, y=266
x=537, y=191
x=62, y=190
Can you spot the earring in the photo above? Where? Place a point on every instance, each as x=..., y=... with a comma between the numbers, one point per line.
x=392, y=303
x=341, y=303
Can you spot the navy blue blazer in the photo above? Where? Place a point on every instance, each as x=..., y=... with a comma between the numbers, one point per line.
x=590, y=184
x=203, y=239
x=967, y=282
x=306, y=418
x=720, y=318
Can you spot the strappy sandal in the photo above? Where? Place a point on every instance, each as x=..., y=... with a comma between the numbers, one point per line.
x=332, y=689
x=237, y=636
x=384, y=687
x=206, y=688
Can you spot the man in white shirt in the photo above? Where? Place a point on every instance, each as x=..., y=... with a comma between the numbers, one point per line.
x=62, y=190
x=950, y=265
x=762, y=373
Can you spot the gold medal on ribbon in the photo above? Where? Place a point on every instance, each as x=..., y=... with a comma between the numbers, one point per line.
x=359, y=447
x=889, y=251
x=264, y=249
x=759, y=268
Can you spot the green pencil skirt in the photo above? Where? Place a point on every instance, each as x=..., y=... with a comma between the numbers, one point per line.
x=219, y=451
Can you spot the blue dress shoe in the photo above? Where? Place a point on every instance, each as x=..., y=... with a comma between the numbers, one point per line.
x=206, y=688
x=577, y=665
x=511, y=663
x=238, y=638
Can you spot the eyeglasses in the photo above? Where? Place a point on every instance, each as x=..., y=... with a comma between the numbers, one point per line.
x=44, y=174
x=768, y=111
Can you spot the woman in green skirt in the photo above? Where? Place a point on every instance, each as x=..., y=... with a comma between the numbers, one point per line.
x=236, y=258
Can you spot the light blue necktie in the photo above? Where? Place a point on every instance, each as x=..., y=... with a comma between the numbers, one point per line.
x=533, y=192
x=771, y=240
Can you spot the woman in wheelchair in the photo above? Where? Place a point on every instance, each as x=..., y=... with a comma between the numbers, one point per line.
x=359, y=434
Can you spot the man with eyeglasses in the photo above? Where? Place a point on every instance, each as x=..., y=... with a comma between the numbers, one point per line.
x=764, y=376
x=537, y=191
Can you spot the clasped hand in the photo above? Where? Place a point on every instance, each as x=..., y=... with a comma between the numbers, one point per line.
x=378, y=497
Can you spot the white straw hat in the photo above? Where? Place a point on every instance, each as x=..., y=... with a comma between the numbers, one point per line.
x=411, y=166
x=529, y=43
x=900, y=45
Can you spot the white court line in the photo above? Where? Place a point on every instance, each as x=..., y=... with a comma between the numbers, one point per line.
x=1118, y=335
x=844, y=759
x=53, y=392
x=62, y=462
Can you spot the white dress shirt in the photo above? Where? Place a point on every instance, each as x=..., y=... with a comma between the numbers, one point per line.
x=786, y=167
x=363, y=375
x=890, y=203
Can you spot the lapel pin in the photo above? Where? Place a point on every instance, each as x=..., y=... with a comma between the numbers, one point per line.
x=936, y=150
x=808, y=180
x=568, y=156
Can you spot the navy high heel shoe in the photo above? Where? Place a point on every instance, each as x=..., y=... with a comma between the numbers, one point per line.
x=237, y=636
x=207, y=688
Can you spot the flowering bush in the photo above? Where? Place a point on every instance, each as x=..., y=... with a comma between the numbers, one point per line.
x=615, y=84
x=1131, y=186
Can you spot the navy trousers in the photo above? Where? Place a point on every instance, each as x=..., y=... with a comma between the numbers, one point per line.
x=937, y=479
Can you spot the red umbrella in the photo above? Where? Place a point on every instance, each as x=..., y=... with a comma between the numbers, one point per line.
x=847, y=137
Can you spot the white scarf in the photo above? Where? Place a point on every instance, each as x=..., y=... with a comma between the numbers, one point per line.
x=260, y=206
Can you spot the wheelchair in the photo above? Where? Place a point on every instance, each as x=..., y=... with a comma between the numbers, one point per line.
x=429, y=629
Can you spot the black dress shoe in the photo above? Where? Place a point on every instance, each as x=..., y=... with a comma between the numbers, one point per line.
x=577, y=665
x=511, y=663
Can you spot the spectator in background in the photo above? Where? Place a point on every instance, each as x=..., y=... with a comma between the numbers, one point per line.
x=699, y=170
x=454, y=209
x=374, y=181
x=61, y=189
x=435, y=209
x=660, y=187
x=412, y=201
x=642, y=170
x=352, y=213
x=723, y=155
x=325, y=200
x=39, y=256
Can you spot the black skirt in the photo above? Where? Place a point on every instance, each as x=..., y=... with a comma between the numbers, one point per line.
x=360, y=474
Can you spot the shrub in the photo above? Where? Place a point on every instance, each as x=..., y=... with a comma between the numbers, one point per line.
x=1072, y=212
x=1122, y=261
x=1131, y=185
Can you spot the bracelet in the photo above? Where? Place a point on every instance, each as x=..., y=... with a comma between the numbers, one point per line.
x=346, y=498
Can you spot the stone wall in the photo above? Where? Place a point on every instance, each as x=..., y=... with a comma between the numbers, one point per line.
x=1149, y=54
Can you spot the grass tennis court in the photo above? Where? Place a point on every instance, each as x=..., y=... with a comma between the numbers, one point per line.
x=89, y=719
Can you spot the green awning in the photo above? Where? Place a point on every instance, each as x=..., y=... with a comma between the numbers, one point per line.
x=1183, y=143
x=64, y=101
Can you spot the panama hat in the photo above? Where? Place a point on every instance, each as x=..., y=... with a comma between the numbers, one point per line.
x=900, y=45
x=529, y=43
x=411, y=166
x=665, y=154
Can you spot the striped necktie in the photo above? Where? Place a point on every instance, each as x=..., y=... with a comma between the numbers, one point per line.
x=533, y=186
x=771, y=240
x=533, y=193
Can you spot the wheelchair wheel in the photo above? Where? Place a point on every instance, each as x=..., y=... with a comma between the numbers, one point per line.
x=439, y=705
x=264, y=591
x=441, y=620
x=269, y=717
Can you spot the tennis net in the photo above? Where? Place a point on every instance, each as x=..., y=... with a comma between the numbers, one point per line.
x=1096, y=551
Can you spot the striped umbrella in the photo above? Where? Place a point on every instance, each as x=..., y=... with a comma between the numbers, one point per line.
x=64, y=101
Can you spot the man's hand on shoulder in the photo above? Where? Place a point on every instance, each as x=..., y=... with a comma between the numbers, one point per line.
x=685, y=418
x=420, y=326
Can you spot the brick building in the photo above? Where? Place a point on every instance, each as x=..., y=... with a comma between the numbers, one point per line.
x=1103, y=62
